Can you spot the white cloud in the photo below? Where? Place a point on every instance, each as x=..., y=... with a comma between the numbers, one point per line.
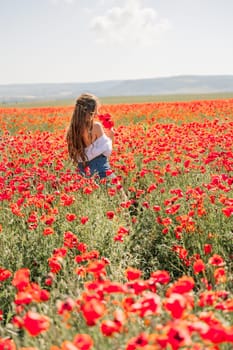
x=131, y=23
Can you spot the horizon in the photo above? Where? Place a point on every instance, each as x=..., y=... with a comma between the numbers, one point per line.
x=123, y=80
x=68, y=41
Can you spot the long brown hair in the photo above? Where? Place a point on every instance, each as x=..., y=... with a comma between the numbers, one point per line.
x=81, y=122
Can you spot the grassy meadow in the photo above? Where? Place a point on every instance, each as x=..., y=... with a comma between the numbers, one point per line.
x=84, y=267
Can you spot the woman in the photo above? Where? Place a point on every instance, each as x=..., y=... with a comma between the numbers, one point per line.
x=89, y=146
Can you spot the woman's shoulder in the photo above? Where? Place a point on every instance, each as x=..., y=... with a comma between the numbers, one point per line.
x=97, y=129
x=97, y=125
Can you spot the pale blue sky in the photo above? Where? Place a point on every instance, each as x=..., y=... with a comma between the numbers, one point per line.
x=95, y=40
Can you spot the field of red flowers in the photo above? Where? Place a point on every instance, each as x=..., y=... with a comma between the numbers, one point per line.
x=82, y=268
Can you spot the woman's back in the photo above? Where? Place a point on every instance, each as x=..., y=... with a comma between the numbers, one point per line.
x=89, y=137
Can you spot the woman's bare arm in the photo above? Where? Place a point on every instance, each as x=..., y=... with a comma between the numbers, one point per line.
x=110, y=133
x=98, y=131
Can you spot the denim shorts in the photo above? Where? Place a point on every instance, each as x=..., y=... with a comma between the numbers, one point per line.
x=97, y=166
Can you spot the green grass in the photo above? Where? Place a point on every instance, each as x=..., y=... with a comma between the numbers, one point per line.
x=124, y=99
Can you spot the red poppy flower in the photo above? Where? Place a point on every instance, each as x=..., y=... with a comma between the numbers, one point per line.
x=198, y=266
x=84, y=219
x=48, y=231
x=92, y=310
x=35, y=323
x=207, y=248
x=220, y=275
x=183, y=285
x=110, y=214
x=106, y=120
x=228, y=211
x=123, y=230
x=70, y=240
x=109, y=172
x=83, y=341
x=4, y=274
x=70, y=217
x=216, y=260
x=54, y=265
x=132, y=274
x=23, y=298
x=160, y=276
x=138, y=342
x=7, y=344
x=147, y=305
x=176, y=304
x=21, y=279
x=108, y=327
x=67, y=305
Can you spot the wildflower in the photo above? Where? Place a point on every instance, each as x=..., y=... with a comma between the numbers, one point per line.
x=82, y=247
x=92, y=310
x=70, y=240
x=67, y=200
x=7, y=344
x=54, y=265
x=132, y=274
x=35, y=323
x=137, y=286
x=160, y=276
x=138, y=342
x=4, y=274
x=114, y=287
x=23, y=298
x=96, y=267
x=220, y=275
x=94, y=254
x=32, y=218
x=48, y=231
x=84, y=219
x=151, y=188
x=228, y=211
x=59, y=252
x=183, y=285
x=106, y=120
x=178, y=336
x=87, y=190
x=109, y=172
x=21, y=279
x=71, y=217
x=147, y=305
x=49, y=279
x=83, y=341
x=48, y=220
x=198, y=266
x=172, y=209
x=216, y=260
x=156, y=208
x=110, y=214
x=176, y=304
x=123, y=230
x=67, y=305
x=207, y=248
x=109, y=327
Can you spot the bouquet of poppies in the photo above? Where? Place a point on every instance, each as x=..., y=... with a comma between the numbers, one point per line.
x=106, y=120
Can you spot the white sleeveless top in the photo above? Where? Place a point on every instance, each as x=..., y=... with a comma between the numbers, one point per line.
x=102, y=145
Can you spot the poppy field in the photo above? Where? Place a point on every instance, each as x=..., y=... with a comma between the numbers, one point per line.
x=144, y=262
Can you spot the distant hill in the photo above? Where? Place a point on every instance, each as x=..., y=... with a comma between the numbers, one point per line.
x=185, y=84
